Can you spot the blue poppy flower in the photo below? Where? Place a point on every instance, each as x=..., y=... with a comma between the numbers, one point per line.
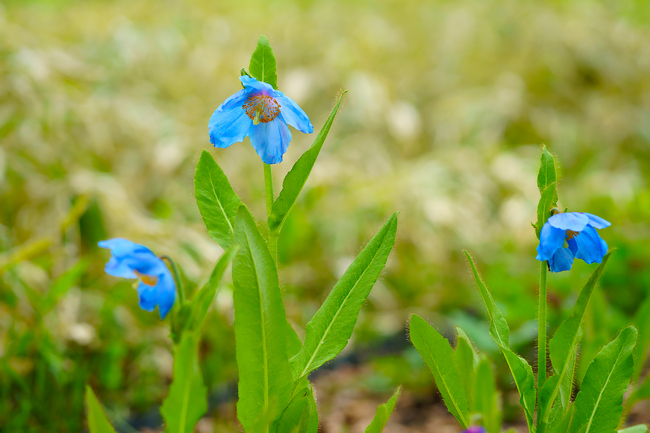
x=130, y=260
x=474, y=429
x=262, y=113
x=570, y=235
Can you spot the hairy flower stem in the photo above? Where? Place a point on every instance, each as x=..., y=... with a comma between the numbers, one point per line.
x=268, y=188
x=541, y=339
x=177, y=278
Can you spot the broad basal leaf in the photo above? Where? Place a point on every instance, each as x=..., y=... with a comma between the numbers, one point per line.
x=216, y=199
x=97, y=420
x=295, y=180
x=187, y=400
x=265, y=380
x=599, y=403
x=262, y=65
x=383, y=413
x=329, y=330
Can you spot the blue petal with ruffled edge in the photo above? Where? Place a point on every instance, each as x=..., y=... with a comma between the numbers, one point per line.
x=230, y=123
x=130, y=259
x=562, y=260
x=590, y=247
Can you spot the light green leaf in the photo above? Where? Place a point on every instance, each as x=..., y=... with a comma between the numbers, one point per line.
x=299, y=414
x=262, y=65
x=383, y=413
x=295, y=180
x=216, y=199
x=312, y=427
x=547, y=174
x=563, y=348
x=598, y=406
x=187, y=400
x=546, y=203
x=486, y=397
x=260, y=330
x=441, y=360
x=203, y=299
x=97, y=420
x=294, y=343
x=641, y=428
x=467, y=361
x=329, y=330
x=500, y=332
x=642, y=322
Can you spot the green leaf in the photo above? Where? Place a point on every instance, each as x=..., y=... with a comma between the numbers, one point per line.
x=294, y=343
x=383, y=413
x=97, y=420
x=547, y=174
x=260, y=330
x=187, y=400
x=216, y=199
x=467, y=361
x=563, y=348
x=312, y=427
x=441, y=360
x=642, y=322
x=500, y=332
x=203, y=299
x=546, y=203
x=262, y=65
x=641, y=428
x=486, y=397
x=598, y=406
x=295, y=180
x=328, y=332
x=299, y=414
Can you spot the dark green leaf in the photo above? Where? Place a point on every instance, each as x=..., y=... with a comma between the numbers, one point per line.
x=97, y=420
x=216, y=199
x=295, y=180
x=486, y=397
x=187, y=400
x=383, y=413
x=330, y=329
x=642, y=322
x=265, y=381
x=262, y=65
x=598, y=406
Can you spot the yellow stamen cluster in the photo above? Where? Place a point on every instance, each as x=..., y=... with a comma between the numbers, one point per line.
x=262, y=108
x=570, y=234
x=149, y=280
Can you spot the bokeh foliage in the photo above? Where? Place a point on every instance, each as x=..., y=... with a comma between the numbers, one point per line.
x=103, y=115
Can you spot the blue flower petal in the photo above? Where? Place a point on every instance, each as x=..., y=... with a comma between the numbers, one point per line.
x=550, y=240
x=126, y=257
x=591, y=248
x=260, y=86
x=163, y=294
x=293, y=114
x=229, y=123
x=597, y=222
x=271, y=140
x=561, y=260
x=574, y=221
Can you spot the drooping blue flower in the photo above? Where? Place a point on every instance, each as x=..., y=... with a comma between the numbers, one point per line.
x=262, y=113
x=474, y=429
x=570, y=235
x=131, y=260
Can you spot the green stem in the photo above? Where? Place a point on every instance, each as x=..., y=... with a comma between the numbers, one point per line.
x=268, y=188
x=541, y=340
x=177, y=278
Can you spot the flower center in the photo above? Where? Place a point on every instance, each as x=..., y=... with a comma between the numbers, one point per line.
x=261, y=108
x=570, y=234
x=147, y=279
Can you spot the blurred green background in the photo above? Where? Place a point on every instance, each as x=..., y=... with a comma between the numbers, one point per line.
x=104, y=107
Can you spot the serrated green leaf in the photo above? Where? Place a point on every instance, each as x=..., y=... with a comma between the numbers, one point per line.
x=383, y=413
x=263, y=65
x=295, y=180
x=486, y=397
x=500, y=332
x=598, y=406
x=563, y=349
x=97, y=420
x=203, y=299
x=187, y=400
x=641, y=428
x=441, y=360
x=260, y=330
x=328, y=332
x=642, y=322
x=546, y=203
x=467, y=361
x=216, y=199
x=547, y=174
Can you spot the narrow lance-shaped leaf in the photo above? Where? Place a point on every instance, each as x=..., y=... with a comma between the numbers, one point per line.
x=297, y=416
x=97, y=420
x=563, y=347
x=598, y=406
x=546, y=203
x=216, y=199
x=295, y=180
x=441, y=360
x=328, y=332
x=263, y=65
x=260, y=330
x=486, y=397
x=467, y=361
x=500, y=332
x=187, y=400
x=547, y=174
x=383, y=413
